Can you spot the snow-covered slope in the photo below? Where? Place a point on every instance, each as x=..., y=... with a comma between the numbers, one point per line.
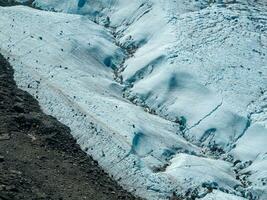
x=175, y=91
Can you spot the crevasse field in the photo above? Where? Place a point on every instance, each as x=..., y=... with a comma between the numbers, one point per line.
x=169, y=96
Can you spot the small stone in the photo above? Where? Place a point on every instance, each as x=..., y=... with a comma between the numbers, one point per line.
x=2, y=187
x=2, y=159
x=11, y=188
x=15, y=172
x=41, y=195
x=19, y=108
x=4, y=137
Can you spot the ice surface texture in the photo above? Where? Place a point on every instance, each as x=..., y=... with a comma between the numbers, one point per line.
x=169, y=96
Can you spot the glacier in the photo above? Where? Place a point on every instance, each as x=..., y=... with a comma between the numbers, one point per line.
x=170, y=97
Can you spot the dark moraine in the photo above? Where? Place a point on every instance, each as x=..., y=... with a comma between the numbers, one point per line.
x=13, y=3
x=39, y=159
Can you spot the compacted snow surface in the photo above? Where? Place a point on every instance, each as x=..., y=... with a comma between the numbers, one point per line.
x=170, y=96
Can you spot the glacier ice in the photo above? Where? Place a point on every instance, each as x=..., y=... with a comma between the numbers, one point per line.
x=168, y=96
